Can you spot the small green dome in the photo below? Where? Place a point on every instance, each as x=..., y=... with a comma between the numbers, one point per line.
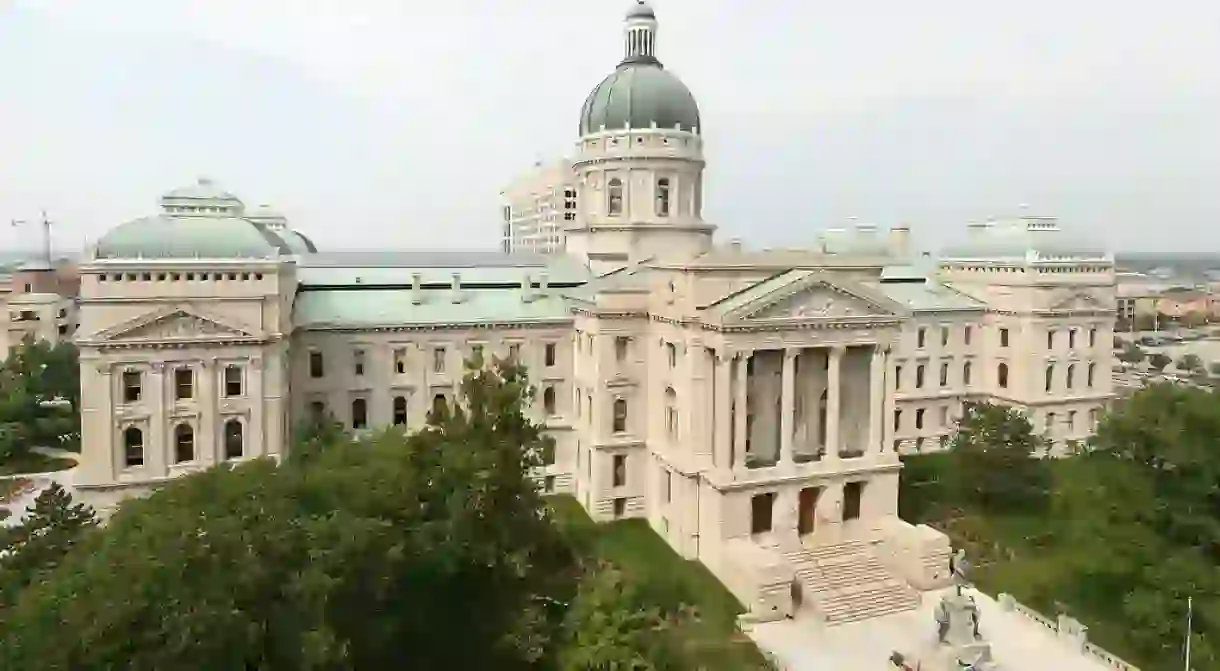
x=638, y=95
x=168, y=237
x=297, y=241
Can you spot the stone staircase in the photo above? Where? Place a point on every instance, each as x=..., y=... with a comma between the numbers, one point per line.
x=844, y=582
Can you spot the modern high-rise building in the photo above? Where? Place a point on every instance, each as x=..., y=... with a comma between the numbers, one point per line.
x=538, y=207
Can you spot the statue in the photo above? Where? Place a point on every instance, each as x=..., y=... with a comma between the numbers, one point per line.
x=960, y=568
x=942, y=621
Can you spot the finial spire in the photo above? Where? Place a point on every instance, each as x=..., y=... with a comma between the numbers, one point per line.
x=640, y=34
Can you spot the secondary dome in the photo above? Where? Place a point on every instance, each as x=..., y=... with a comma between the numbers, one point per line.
x=640, y=93
x=275, y=221
x=170, y=237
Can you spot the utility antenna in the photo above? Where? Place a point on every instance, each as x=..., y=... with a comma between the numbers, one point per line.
x=46, y=234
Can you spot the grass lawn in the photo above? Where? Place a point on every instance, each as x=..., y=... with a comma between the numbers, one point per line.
x=646, y=559
x=32, y=462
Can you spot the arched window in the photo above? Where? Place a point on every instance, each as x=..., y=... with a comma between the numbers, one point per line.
x=663, y=197
x=1050, y=376
x=919, y=370
x=548, y=400
x=966, y=374
x=184, y=443
x=619, y=424
x=1089, y=375
x=671, y=413
x=1002, y=375
x=400, y=410
x=1071, y=376
x=133, y=446
x=235, y=439
x=440, y=405
x=360, y=413
x=614, y=197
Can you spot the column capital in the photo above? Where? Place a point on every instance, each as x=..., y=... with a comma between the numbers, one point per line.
x=838, y=350
x=725, y=354
x=791, y=352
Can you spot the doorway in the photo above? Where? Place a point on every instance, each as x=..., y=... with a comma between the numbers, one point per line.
x=852, y=493
x=807, y=505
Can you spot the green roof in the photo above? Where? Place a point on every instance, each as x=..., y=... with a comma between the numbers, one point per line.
x=927, y=295
x=396, y=269
x=639, y=95
x=343, y=308
x=185, y=237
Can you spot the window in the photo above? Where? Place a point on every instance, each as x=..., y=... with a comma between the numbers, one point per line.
x=671, y=354
x=133, y=447
x=897, y=378
x=233, y=381
x=897, y=420
x=620, y=507
x=1003, y=337
x=614, y=197
x=184, y=384
x=1002, y=375
x=400, y=411
x=761, y=508
x=663, y=197
x=317, y=410
x=620, y=470
x=549, y=354
x=548, y=400
x=1071, y=376
x=360, y=413
x=234, y=439
x=1050, y=340
x=548, y=484
x=853, y=495
x=620, y=348
x=620, y=415
x=440, y=405
x=1072, y=339
x=944, y=415
x=944, y=336
x=184, y=443
x=1050, y=376
x=920, y=337
x=514, y=352
x=438, y=359
x=1093, y=418
x=966, y=333
x=131, y=386
x=671, y=414
x=1050, y=422
x=358, y=361
x=1072, y=420
x=966, y=374
x=1089, y=372
x=1092, y=337
x=476, y=354
x=315, y=365
x=400, y=361
x=919, y=419
x=919, y=370
x=944, y=375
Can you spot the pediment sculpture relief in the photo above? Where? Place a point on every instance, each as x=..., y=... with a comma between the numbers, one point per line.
x=179, y=325
x=817, y=303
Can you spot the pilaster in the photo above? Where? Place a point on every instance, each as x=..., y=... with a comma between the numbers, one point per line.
x=722, y=435
x=156, y=448
x=834, y=390
x=787, y=405
x=741, y=385
x=876, y=398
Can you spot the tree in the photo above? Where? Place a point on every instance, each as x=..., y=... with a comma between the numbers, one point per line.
x=32, y=379
x=1214, y=368
x=1158, y=361
x=1131, y=354
x=375, y=555
x=1190, y=363
x=51, y=529
x=992, y=461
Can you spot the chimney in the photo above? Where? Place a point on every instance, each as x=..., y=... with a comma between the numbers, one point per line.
x=527, y=289
x=900, y=240
x=974, y=229
x=544, y=281
x=866, y=231
x=735, y=245
x=457, y=288
x=417, y=294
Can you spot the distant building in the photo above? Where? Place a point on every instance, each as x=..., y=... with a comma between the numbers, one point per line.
x=538, y=205
x=37, y=301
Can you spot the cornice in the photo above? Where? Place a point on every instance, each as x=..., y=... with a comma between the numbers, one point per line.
x=447, y=326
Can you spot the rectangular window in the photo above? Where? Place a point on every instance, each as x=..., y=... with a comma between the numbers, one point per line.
x=316, y=369
x=1072, y=339
x=919, y=418
x=620, y=470
x=669, y=486
x=184, y=384
x=853, y=496
x=548, y=484
x=1050, y=340
x=620, y=508
x=944, y=336
x=761, y=508
x=944, y=375
x=1093, y=337
x=966, y=333
x=233, y=381
x=920, y=336
x=400, y=411
x=514, y=352
x=400, y=361
x=1003, y=337
x=1072, y=420
x=550, y=354
x=897, y=377
x=944, y=415
x=919, y=370
x=358, y=361
x=620, y=348
x=897, y=420
x=438, y=360
x=131, y=386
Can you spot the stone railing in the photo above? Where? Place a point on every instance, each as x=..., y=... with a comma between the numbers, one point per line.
x=1068, y=629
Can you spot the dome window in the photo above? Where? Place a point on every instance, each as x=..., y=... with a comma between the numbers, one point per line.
x=663, y=197
x=614, y=198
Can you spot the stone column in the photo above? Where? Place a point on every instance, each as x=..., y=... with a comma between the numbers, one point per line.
x=889, y=403
x=787, y=398
x=876, y=401
x=694, y=405
x=156, y=448
x=206, y=450
x=739, y=418
x=259, y=405
x=722, y=435
x=833, y=393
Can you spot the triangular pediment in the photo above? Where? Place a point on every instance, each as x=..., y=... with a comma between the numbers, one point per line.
x=1078, y=301
x=816, y=296
x=174, y=324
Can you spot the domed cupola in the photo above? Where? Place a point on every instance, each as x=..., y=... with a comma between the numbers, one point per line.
x=640, y=93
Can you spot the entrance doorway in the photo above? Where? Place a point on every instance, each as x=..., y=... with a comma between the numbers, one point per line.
x=807, y=504
x=852, y=493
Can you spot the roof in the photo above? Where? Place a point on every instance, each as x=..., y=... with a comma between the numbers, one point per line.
x=436, y=267
x=365, y=308
x=641, y=10
x=202, y=189
x=928, y=295
x=186, y=237
x=639, y=95
x=797, y=278
x=1025, y=238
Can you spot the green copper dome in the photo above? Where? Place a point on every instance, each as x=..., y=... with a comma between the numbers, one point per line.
x=168, y=237
x=639, y=95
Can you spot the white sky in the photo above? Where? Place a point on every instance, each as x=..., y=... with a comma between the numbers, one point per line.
x=394, y=123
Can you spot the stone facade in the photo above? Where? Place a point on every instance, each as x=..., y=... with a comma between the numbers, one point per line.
x=750, y=405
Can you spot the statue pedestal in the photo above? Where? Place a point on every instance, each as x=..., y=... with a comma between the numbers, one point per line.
x=955, y=645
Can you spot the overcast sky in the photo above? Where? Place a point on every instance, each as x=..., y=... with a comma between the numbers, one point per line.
x=396, y=122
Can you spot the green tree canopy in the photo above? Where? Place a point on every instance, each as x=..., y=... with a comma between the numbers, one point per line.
x=1158, y=361
x=992, y=459
x=51, y=528
x=1189, y=362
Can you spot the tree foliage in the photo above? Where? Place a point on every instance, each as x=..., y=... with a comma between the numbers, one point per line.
x=1189, y=363
x=993, y=463
x=1131, y=353
x=32, y=379
x=53, y=525
x=1159, y=361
